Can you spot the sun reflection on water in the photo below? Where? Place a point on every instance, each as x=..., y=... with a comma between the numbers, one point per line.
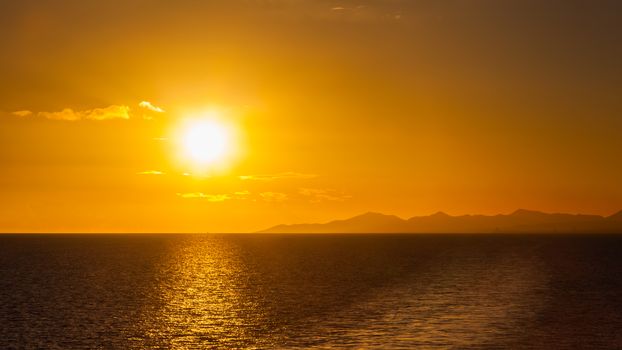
x=253, y=293
x=200, y=299
x=257, y=291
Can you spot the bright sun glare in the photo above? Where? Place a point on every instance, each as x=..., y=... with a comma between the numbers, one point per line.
x=205, y=143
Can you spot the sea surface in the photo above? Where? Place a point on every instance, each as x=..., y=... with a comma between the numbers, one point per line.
x=306, y=291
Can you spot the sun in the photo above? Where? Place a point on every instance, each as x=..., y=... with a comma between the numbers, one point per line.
x=205, y=143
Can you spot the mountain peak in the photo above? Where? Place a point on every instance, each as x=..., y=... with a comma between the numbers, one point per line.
x=525, y=212
x=521, y=220
x=616, y=216
x=374, y=216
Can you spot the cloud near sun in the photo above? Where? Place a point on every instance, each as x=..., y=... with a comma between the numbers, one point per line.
x=113, y=112
x=150, y=172
x=240, y=195
x=151, y=107
x=313, y=196
x=98, y=114
x=279, y=176
x=317, y=195
x=204, y=196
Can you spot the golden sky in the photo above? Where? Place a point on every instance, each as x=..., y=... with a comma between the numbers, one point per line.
x=328, y=109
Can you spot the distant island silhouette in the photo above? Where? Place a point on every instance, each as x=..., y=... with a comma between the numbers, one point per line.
x=520, y=221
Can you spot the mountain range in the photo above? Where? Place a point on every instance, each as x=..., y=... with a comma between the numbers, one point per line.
x=520, y=221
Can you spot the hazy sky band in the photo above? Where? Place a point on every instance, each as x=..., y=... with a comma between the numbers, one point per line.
x=405, y=107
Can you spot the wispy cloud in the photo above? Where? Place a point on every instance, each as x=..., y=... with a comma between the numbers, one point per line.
x=241, y=194
x=273, y=196
x=205, y=196
x=221, y=197
x=347, y=11
x=317, y=195
x=279, y=176
x=22, y=114
x=150, y=172
x=313, y=195
x=99, y=114
x=148, y=105
x=120, y=112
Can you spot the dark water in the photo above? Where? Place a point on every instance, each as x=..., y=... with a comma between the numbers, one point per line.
x=364, y=291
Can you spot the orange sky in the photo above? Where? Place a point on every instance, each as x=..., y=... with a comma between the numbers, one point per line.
x=339, y=107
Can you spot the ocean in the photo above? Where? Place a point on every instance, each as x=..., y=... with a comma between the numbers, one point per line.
x=310, y=291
